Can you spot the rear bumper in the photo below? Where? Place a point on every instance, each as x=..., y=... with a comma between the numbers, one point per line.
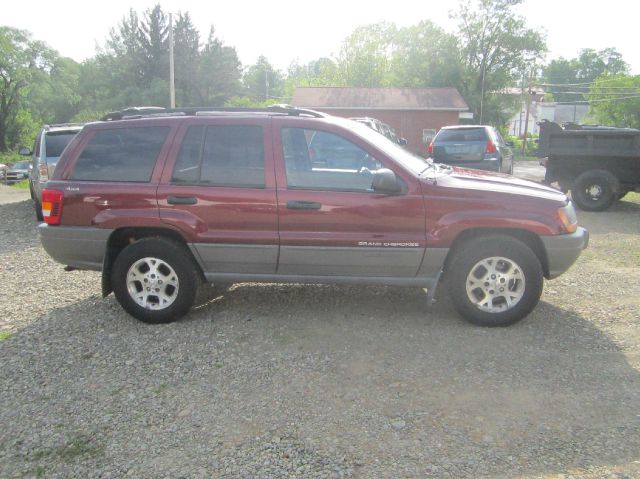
x=80, y=247
x=563, y=250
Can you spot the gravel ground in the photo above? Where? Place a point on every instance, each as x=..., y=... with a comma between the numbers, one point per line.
x=320, y=381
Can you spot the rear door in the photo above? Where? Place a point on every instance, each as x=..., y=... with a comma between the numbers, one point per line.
x=219, y=190
x=460, y=145
x=331, y=222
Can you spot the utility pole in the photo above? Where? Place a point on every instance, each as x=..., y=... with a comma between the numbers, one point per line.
x=266, y=84
x=526, y=120
x=172, y=76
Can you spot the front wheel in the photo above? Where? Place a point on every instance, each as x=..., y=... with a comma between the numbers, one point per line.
x=494, y=280
x=155, y=280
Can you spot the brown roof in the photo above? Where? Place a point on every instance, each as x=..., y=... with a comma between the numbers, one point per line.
x=379, y=98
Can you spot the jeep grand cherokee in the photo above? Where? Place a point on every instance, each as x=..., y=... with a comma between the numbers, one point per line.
x=163, y=203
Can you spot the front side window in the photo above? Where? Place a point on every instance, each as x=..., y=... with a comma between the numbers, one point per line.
x=316, y=159
x=225, y=155
x=121, y=154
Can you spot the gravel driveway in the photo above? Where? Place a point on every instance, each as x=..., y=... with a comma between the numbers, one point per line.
x=320, y=381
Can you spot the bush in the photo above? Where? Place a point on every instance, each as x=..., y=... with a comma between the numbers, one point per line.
x=532, y=146
x=10, y=158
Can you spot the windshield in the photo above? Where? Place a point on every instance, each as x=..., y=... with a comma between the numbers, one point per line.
x=21, y=165
x=409, y=160
x=56, y=142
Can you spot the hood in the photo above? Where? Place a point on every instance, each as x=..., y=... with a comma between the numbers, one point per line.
x=478, y=180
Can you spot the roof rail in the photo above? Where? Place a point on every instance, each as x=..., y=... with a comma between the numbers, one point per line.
x=157, y=111
x=61, y=125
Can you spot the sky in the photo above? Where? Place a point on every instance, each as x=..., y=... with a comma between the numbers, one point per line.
x=301, y=30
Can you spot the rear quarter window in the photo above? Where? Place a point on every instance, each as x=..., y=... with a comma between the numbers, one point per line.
x=56, y=142
x=120, y=154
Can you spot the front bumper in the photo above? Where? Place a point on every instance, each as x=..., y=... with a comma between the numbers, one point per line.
x=563, y=250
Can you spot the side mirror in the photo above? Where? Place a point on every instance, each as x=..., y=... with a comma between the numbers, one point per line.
x=385, y=181
x=24, y=151
x=509, y=143
x=402, y=141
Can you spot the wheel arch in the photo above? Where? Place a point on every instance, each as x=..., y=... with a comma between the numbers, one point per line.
x=122, y=237
x=529, y=238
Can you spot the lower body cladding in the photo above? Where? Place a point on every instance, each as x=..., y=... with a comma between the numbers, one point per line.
x=340, y=265
x=85, y=247
x=76, y=246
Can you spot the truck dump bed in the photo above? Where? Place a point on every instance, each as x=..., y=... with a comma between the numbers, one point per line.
x=576, y=141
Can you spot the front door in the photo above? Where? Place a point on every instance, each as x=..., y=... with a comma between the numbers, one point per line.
x=331, y=222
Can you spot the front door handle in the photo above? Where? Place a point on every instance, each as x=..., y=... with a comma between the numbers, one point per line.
x=182, y=200
x=303, y=205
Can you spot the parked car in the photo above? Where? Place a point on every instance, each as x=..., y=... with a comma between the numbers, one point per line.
x=18, y=172
x=3, y=173
x=49, y=144
x=472, y=146
x=381, y=128
x=163, y=204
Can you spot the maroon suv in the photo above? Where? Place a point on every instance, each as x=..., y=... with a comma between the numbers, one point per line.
x=163, y=203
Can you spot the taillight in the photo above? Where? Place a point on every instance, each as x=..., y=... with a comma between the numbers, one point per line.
x=52, y=206
x=43, y=172
x=491, y=148
x=430, y=149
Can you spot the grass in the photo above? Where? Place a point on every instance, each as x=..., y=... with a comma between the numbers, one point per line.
x=633, y=196
x=79, y=446
x=5, y=335
x=21, y=185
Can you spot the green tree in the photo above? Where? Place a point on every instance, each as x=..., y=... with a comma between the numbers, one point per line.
x=24, y=63
x=365, y=57
x=186, y=50
x=615, y=100
x=424, y=55
x=495, y=47
x=219, y=73
x=262, y=82
x=578, y=73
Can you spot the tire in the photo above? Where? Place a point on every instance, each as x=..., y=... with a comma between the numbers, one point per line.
x=516, y=269
x=37, y=206
x=595, y=190
x=160, y=264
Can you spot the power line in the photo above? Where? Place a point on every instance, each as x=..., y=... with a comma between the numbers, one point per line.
x=598, y=100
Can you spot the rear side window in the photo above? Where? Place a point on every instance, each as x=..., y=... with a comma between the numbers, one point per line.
x=57, y=142
x=225, y=155
x=122, y=154
x=465, y=134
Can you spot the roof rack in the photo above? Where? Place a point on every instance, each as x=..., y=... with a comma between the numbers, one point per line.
x=158, y=111
x=61, y=125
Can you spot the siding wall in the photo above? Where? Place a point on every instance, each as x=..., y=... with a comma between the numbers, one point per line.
x=407, y=123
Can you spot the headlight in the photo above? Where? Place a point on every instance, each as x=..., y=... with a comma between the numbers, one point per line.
x=568, y=218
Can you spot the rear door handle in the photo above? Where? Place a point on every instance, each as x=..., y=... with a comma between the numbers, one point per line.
x=303, y=205
x=182, y=200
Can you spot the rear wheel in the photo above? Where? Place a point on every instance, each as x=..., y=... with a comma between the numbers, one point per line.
x=595, y=190
x=494, y=280
x=155, y=280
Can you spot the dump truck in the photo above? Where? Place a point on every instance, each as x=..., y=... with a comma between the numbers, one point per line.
x=598, y=164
